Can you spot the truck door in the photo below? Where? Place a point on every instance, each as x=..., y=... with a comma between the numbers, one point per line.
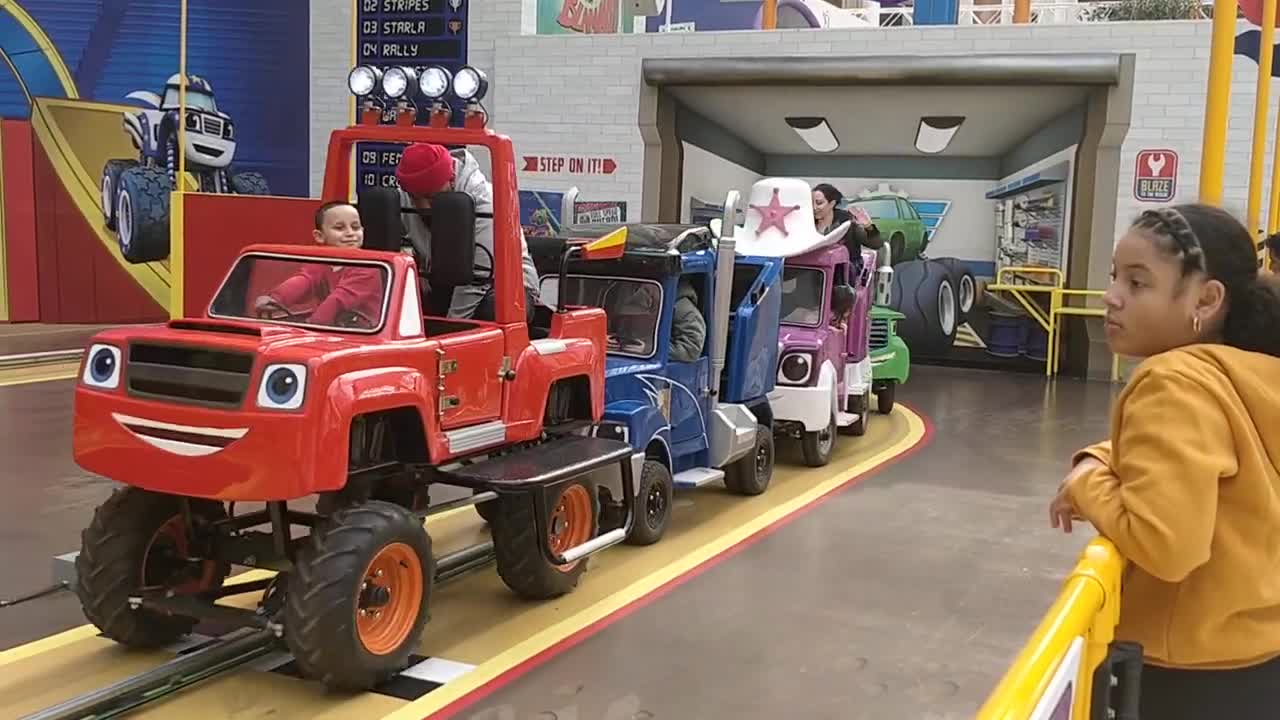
x=690, y=381
x=467, y=366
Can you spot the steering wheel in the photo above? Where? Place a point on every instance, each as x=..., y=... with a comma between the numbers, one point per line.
x=272, y=310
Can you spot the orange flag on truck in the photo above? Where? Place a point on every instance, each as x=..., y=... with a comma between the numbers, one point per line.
x=609, y=247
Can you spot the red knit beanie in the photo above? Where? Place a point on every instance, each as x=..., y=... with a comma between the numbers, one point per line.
x=424, y=169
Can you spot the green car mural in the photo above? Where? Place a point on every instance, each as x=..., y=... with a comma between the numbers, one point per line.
x=899, y=223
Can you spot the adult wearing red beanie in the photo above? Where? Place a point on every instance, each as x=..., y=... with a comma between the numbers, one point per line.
x=427, y=169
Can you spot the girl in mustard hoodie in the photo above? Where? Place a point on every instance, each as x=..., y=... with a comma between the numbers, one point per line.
x=1188, y=486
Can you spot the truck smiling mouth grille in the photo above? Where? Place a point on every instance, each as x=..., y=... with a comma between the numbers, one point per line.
x=191, y=375
x=879, y=334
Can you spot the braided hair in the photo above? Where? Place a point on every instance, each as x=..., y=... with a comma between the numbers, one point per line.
x=1211, y=241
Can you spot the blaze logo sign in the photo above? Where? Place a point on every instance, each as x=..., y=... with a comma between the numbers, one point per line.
x=1155, y=178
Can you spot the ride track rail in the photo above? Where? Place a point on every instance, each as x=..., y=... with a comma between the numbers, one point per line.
x=38, y=359
x=259, y=636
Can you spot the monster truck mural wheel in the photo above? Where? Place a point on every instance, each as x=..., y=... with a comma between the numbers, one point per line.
x=249, y=183
x=142, y=214
x=139, y=539
x=817, y=446
x=111, y=172
x=573, y=519
x=924, y=293
x=965, y=283
x=653, y=504
x=897, y=246
x=885, y=398
x=357, y=598
x=750, y=474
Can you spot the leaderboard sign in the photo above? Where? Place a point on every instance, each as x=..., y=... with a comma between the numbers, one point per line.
x=415, y=33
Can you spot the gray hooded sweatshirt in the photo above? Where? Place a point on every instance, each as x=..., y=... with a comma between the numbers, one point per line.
x=470, y=180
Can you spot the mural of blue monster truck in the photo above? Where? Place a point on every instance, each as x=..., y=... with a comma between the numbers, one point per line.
x=135, y=192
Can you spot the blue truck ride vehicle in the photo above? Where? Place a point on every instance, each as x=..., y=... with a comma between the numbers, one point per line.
x=694, y=422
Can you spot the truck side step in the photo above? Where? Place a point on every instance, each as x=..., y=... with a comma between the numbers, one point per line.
x=844, y=419
x=697, y=477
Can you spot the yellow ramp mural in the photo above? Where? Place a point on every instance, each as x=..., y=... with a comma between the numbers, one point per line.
x=79, y=137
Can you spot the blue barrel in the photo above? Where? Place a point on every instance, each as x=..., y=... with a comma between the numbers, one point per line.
x=1006, y=334
x=1037, y=341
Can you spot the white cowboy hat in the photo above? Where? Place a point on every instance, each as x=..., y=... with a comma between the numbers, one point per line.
x=779, y=221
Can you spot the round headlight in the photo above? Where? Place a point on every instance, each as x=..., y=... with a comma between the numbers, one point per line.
x=363, y=80
x=435, y=82
x=282, y=386
x=396, y=81
x=470, y=84
x=795, y=367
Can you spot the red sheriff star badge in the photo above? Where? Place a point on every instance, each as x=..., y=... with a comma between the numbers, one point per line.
x=774, y=214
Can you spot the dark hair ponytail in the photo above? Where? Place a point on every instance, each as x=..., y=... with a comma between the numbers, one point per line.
x=829, y=192
x=1253, y=322
x=1212, y=241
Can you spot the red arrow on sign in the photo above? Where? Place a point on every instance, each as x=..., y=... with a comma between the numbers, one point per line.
x=530, y=163
x=609, y=166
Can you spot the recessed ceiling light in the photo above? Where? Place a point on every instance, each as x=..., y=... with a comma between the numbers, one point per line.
x=935, y=132
x=815, y=132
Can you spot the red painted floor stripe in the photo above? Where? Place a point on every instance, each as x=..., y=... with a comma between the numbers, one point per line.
x=578, y=636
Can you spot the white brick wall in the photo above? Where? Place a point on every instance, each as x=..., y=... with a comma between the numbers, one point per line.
x=331, y=54
x=580, y=94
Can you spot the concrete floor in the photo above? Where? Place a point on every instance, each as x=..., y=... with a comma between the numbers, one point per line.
x=905, y=596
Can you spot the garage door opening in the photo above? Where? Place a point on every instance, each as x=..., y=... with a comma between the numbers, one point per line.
x=971, y=166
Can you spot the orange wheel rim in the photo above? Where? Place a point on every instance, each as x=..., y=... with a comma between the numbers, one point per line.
x=388, y=599
x=571, y=521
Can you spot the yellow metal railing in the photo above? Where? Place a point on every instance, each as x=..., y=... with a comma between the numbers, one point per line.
x=1088, y=607
x=1058, y=307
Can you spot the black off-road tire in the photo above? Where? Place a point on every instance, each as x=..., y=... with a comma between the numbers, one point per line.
x=249, y=183
x=111, y=173
x=518, y=549
x=110, y=566
x=816, y=451
x=143, y=230
x=323, y=591
x=897, y=248
x=487, y=510
x=885, y=398
x=750, y=474
x=653, y=504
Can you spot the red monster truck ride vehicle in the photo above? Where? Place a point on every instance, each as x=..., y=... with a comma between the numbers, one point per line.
x=370, y=411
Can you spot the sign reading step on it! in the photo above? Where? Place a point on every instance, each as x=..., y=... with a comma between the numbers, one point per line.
x=569, y=165
x=1155, y=178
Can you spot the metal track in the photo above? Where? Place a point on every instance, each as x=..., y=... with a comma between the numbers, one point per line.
x=36, y=359
x=235, y=649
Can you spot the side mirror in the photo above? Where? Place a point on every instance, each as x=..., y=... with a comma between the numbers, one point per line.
x=453, y=240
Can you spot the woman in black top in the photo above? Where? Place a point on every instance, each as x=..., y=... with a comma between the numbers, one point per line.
x=827, y=216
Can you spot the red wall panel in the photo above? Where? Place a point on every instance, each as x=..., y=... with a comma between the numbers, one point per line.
x=80, y=282
x=19, y=222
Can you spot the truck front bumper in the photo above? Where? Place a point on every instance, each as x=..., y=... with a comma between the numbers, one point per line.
x=808, y=406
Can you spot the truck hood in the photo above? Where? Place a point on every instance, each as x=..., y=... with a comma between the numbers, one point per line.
x=791, y=337
x=276, y=341
x=615, y=366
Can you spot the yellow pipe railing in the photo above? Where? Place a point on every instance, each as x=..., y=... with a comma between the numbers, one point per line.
x=1261, y=110
x=1057, y=309
x=1089, y=607
x=1217, y=104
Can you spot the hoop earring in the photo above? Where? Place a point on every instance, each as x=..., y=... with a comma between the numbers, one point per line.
x=1195, y=323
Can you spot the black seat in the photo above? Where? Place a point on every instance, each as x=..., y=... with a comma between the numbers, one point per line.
x=453, y=241
x=379, y=210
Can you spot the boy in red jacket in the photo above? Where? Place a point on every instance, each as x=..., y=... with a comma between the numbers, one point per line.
x=346, y=296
